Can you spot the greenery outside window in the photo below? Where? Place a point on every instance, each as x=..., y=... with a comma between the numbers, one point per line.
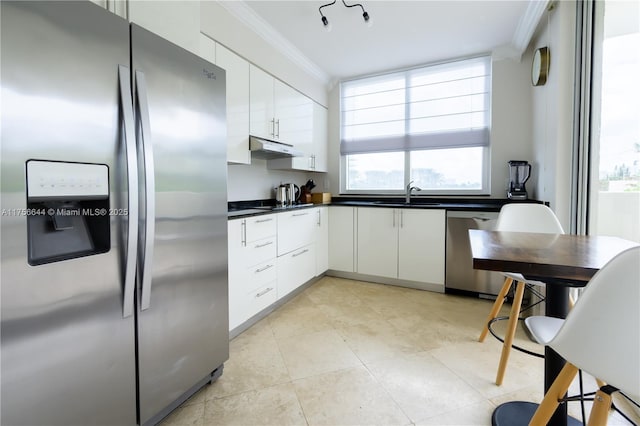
x=430, y=125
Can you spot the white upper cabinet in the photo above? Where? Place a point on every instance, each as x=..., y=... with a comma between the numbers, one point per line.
x=119, y=7
x=310, y=138
x=320, y=138
x=237, y=72
x=176, y=21
x=294, y=117
x=207, y=49
x=278, y=112
x=261, y=103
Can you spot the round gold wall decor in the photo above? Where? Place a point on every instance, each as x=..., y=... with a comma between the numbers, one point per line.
x=540, y=66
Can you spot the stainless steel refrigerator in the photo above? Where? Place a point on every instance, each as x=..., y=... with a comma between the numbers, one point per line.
x=113, y=228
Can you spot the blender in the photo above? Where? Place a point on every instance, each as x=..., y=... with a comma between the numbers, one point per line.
x=519, y=172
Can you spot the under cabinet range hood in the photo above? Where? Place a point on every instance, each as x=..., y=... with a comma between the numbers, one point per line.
x=265, y=148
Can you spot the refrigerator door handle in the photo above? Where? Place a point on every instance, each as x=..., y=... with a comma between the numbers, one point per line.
x=124, y=79
x=150, y=197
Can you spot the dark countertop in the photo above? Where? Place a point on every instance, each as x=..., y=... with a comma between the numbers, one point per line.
x=451, y=204
x=240, y=209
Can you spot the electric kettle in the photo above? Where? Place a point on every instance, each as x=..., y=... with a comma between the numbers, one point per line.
x=293, y=193
x=282, y=192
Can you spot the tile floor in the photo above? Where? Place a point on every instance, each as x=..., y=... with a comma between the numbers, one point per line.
x=347, y=352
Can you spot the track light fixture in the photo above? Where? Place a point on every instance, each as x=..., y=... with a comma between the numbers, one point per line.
x=327, y=24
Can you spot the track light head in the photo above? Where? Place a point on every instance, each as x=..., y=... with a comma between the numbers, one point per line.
x=326, y=23
x=367, y=19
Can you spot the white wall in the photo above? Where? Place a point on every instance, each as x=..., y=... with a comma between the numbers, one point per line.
x=553, y=111
x=511, y=136
x=256, y=182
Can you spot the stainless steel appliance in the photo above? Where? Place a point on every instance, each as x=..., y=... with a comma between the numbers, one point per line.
x=282, y=195
x=519, y=172
x=459, y=272
x=114, y=245
x=293, y=193
x=268, y=149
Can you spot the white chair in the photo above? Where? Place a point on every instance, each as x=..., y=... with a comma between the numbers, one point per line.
x=601, y=335
x=518, y=217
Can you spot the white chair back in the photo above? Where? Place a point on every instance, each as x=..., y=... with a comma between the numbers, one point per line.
x=528, y=217
x=601, y=334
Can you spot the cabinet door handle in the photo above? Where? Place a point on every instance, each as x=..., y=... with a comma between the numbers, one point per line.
x=263, y=269
x=264, y=245
x=278, y=124
x=401, y=218
x=273, y=127
x=264, y=220
x=265, y=291
x=394, y=218
x=299, y=214
x=243, y=234
x=298, y=254
x=319, y=218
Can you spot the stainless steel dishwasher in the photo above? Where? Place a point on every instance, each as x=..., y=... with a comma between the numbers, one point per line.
x=459, y=273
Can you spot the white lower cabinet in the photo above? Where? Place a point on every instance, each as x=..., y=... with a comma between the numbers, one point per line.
x=405, y=244
x=378, y=242
x=322, y=239
x=296, y=249
x=296, y=228
x=270, y=256
x=295, y=268
x=421, y=245
x=342, y=238
x=252, y=266
x=261, y=298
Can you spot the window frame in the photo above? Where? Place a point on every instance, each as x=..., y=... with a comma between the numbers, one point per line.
x=486, y=150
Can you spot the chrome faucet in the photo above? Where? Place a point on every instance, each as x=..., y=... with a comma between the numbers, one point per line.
x=409, y=189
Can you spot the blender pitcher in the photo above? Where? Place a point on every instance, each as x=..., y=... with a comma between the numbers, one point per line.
x=519, y=172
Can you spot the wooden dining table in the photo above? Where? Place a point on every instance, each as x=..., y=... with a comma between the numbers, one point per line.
x=559, y=260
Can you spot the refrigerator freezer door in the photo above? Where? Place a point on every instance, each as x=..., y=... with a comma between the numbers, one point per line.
x=183, y=333
x=68, y=355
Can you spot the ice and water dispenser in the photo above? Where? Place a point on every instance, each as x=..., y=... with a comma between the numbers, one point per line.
x=68, y=210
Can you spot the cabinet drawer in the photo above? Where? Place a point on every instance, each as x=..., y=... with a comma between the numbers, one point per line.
x=296, y=229
x=260, y=298
x=260, y=227
x=260, y=274
x=242, y=281
x=295, y=269
x=260, y=251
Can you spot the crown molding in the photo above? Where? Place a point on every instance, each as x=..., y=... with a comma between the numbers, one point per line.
x=245, y=14
x=527, y=25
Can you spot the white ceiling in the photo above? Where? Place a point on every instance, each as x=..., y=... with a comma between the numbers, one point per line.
x=404, y=33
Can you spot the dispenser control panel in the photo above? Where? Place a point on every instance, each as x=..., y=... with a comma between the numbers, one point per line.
x=55, y=179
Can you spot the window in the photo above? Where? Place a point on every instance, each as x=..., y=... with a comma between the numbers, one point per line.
x=429, y=125
x=614, y=190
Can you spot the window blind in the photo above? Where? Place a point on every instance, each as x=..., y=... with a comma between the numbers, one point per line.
x=439, y=106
